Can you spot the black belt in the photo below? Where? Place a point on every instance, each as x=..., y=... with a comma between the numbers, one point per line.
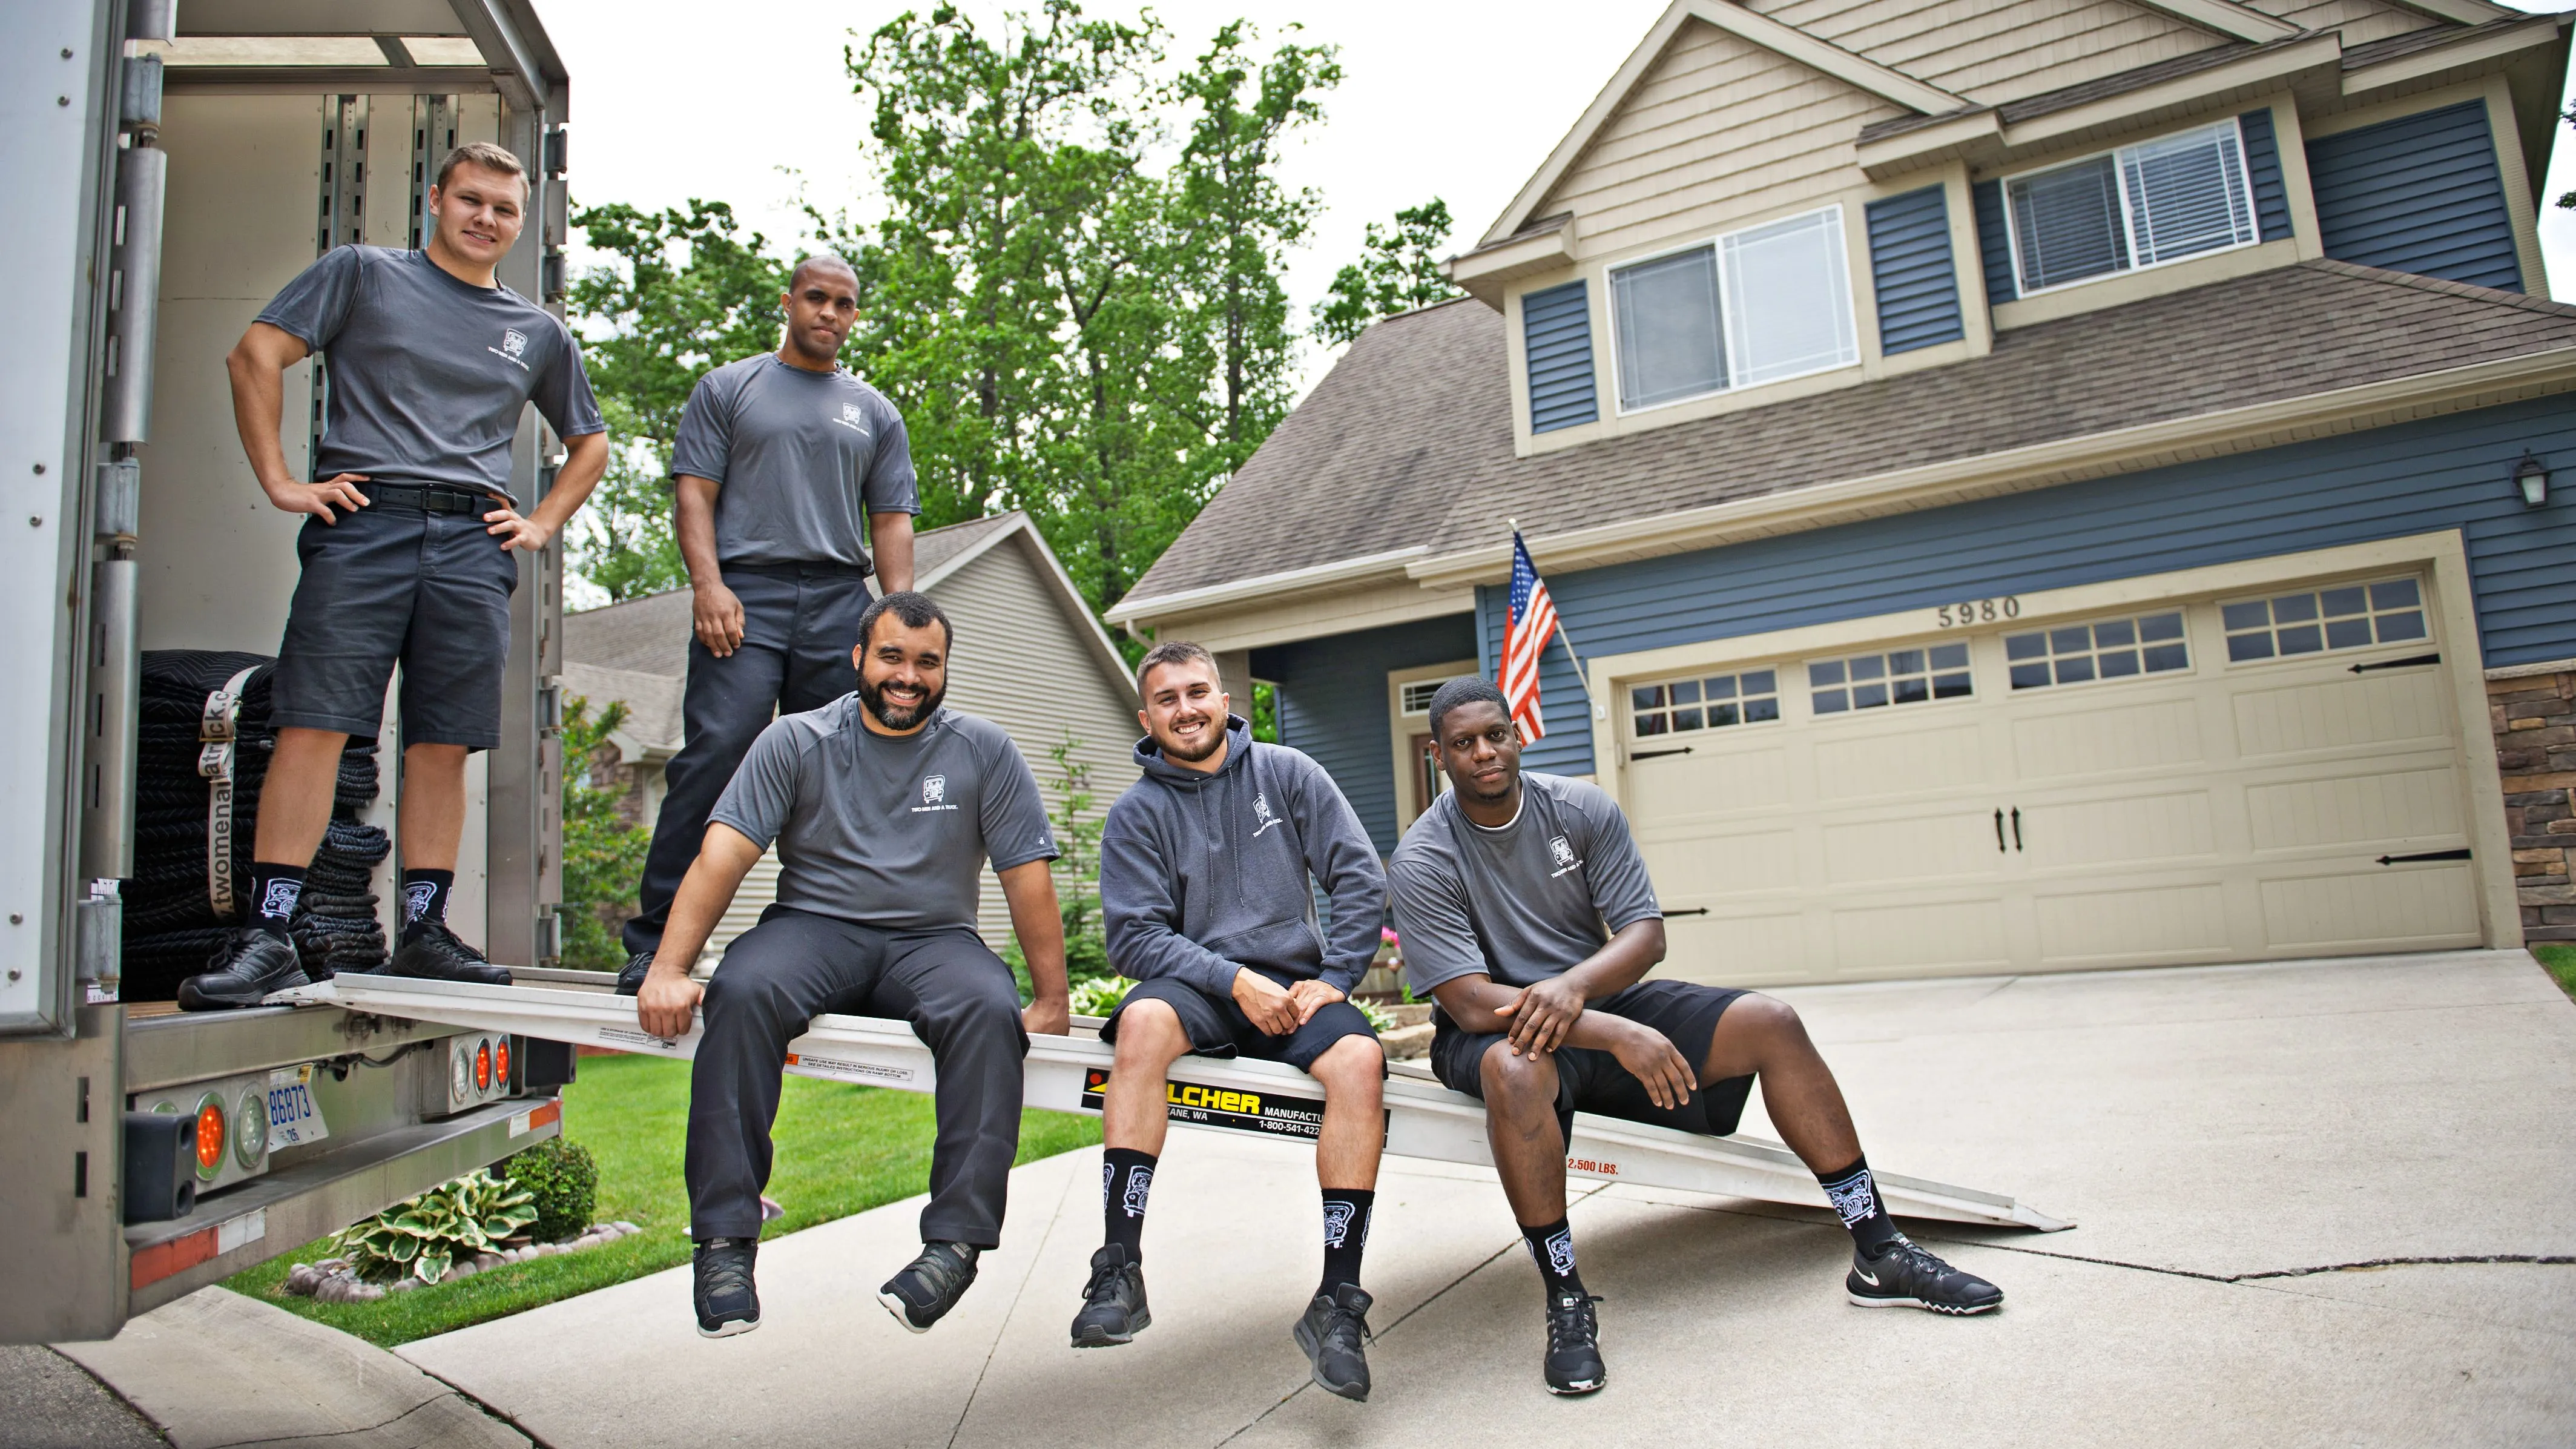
x=802, y=570
x=429, y=498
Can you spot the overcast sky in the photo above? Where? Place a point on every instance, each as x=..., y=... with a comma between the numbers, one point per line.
x=1457, y=101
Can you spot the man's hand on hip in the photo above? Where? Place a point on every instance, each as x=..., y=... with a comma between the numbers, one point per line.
x=717, y=614
x=1047, y=1017
x=515, y=531
x=1265, y=1001
x=320, y=498
x=668, y=1003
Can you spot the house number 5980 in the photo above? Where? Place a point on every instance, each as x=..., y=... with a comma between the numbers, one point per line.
x=1979, y=611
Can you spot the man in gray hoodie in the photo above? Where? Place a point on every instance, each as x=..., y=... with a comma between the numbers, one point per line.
x=1204, y=870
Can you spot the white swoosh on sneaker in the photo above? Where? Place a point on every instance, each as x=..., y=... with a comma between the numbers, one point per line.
x=1865, y=1276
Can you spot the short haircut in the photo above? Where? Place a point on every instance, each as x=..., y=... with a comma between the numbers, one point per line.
x=485, y=155
x=1468, y=690
x=1175, y=651
x=915, y=610
x=832, y=260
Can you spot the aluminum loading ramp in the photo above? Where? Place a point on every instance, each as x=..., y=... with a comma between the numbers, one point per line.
x=1424, y=1118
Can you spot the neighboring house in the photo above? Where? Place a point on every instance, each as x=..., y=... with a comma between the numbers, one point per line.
x=1029, y=657
x=2035, y=484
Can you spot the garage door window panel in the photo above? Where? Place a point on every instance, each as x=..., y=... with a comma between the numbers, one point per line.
x=1710, y=702
x=2108, y=649
x=1899, y=676
x=2318, y=621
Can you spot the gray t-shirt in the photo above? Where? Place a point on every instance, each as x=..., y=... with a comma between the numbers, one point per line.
x=890, y=831
x=427, y=372
x=801, y=456
x=1521, y=903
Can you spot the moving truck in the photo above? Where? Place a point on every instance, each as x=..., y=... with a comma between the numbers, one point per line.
x=171, y=164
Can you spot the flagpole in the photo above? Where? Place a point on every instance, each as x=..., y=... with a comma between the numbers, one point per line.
x=1565, y=637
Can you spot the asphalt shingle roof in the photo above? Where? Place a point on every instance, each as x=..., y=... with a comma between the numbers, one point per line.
x=1408, y=440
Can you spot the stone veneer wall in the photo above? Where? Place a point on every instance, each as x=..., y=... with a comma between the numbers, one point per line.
x=2534, y=717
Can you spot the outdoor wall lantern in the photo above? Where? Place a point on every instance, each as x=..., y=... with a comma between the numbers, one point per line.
x=2531, y=479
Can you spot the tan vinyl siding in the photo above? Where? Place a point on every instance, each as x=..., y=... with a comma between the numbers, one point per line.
x=1022, y=663
x=1719, y=128
x=1996, y=53
x=2361, y=21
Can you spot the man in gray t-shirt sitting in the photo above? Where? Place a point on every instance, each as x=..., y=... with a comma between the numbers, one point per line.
x=780, y=461
x=1526, y=911
x=884, y=808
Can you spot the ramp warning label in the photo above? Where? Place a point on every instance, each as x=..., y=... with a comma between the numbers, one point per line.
x=1264, y=1112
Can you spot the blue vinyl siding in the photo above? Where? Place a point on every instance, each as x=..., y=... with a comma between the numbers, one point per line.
x=1988, y=198
x=1556, y=332
x=2263, y=169
x=1332, y=703
x=2420, y=477
x=1911, y=268
x=2418, y=194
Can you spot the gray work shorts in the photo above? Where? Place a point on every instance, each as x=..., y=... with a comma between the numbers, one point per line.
x=391, y=584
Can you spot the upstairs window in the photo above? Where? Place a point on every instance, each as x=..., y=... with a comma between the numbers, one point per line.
x=1751, y=307
x=2139, y=206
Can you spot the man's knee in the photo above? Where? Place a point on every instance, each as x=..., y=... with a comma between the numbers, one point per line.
x=1150, y=1035
x=1352, y=1068
x=1767, y=1017
x=744, y=997
x=1517, y=1084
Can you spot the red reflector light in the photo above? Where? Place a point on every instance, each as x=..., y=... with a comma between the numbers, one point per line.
x=501, y=1061
x=210, y=1137
x=483, y=1067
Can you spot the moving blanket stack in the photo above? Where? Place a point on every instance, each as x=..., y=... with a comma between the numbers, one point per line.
x=202, y=753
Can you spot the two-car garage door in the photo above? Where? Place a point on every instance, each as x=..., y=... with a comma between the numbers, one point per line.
x=2213, y=779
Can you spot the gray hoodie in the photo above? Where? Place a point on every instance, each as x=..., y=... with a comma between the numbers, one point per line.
x=1201, y=874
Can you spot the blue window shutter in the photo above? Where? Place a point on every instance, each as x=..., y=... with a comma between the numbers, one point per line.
x=1989, y=199
x=2263, y=169
x=2418, y=194
x=1909, y=262
x=1556, y=332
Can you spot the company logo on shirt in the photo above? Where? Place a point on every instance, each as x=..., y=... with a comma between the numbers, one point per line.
x=852, y=418
x=514, y=346
x=1261, y=812
x=934, y=794
x=1563, y=851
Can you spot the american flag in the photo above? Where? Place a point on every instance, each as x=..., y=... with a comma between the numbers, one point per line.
x=1526, y=632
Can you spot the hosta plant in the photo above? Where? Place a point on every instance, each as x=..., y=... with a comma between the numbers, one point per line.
x=1098, y=996
x=422, y=1238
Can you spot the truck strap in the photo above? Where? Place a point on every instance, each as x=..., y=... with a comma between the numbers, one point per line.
x=1065, y=1074
x=218, y=746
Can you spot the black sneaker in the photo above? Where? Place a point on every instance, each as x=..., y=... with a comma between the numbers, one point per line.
x=929, y=1285
x=249, y=966
x=1905, y=1276
x=1573, y=1345
x=1335, y=1325
x=1113, y=1302
x=431, y=952
x=727, y=1302
x=630, y=977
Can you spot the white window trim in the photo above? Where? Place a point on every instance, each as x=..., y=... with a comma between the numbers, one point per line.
x=1777, y=696
x=1726, y=330
x=2423, y=604
x=1808, y=686
x=2128, y=224
x=2191, y=652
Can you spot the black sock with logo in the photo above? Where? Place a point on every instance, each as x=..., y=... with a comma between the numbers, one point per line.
x=424, y=894
x=1854, y=1194
x=1551, y=1246
x=1346, y=1225
x=274, y=890
x=1126, y=1176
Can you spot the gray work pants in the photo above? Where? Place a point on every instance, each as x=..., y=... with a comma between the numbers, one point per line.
x=794, y=966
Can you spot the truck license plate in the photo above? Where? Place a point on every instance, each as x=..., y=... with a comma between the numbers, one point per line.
x=294, y=1118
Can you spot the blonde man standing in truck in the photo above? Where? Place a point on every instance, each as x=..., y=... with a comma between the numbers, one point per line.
x=408, y=548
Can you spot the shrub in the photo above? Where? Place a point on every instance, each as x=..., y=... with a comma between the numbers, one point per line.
x=562, y=1183
x=423, y=1236
x=1098, y=996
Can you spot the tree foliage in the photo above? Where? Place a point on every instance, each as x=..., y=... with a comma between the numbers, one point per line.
x=603, y=855
x=1398, y=270
x=685, y=290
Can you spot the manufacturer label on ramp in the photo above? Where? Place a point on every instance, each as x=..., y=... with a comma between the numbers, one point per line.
x=1264, y=1112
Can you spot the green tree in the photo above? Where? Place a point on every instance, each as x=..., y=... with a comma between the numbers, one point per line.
x=685, y=290
x=603, y=855
x=1398, y=270
x=1076, y=871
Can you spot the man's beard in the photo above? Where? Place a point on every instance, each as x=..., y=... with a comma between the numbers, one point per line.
x=898, y=717
x=1215, y=742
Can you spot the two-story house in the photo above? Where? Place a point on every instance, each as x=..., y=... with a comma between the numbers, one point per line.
x=2032, y=484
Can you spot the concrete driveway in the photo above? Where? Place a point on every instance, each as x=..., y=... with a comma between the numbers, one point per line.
x=2308, y=1195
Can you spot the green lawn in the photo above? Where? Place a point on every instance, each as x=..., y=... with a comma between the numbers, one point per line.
x=841, y=1150
x=2559, y=961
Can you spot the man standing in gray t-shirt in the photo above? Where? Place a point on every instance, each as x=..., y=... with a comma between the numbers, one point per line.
x=1526, y=912
x=410, y=546
x=786, y=467
x=884, y=808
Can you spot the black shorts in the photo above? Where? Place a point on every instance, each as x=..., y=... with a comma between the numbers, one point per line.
x=1217, y=1026
x=392, y=584
x=1591, y=1080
